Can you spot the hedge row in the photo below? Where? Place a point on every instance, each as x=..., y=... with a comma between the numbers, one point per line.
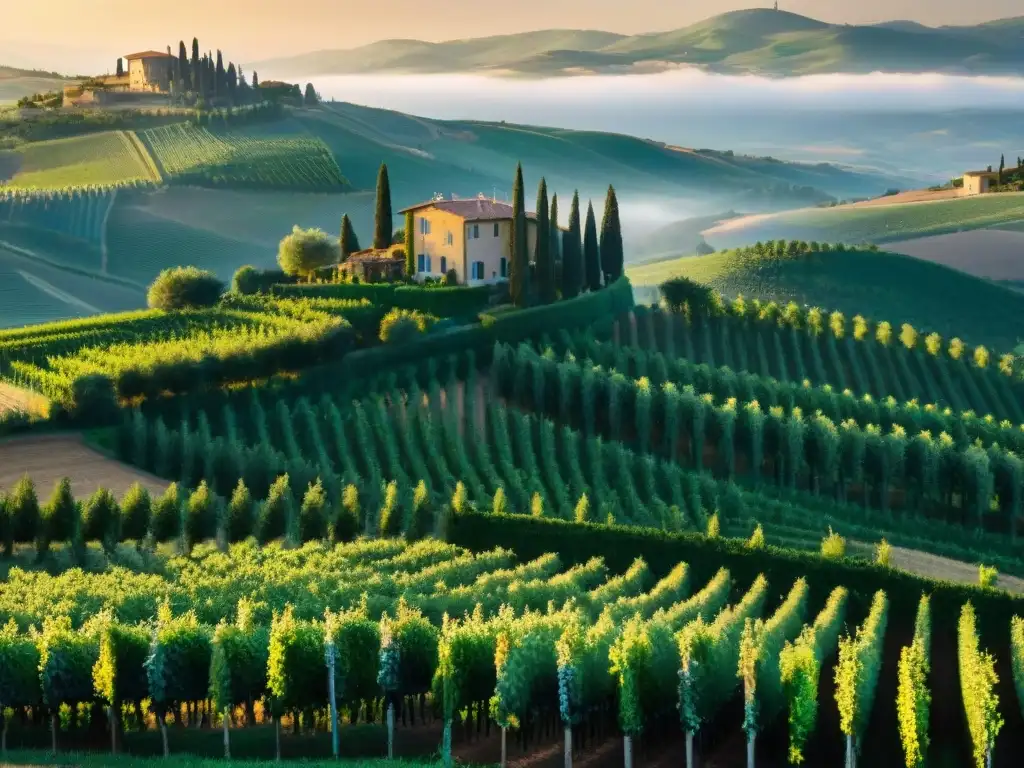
x=530, y=537
x=442, y=301
x=586, y=310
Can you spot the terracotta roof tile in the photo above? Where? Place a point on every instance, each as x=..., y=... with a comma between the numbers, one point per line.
x=471, y=209
x=149, y=55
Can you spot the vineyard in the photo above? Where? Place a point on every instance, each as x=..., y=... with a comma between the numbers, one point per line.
x=351, y=550
x=871, y=282
x=79, y=213
x=235, y=637
x=111, y=158
x=191, y=154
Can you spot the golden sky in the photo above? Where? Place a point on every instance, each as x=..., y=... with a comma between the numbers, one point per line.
x=92, y=32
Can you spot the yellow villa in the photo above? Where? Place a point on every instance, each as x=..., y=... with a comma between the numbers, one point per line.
x=471, y=236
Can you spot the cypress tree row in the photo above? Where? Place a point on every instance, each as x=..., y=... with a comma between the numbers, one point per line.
x=382, y=221
x=555, y=237
x=519, y=259
x=591, y=251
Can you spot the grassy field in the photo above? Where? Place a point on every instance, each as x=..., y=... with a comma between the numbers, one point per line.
x=878, y=285
x=251, y=157
x=32, y=291
x=873, y=224
x=111, y=157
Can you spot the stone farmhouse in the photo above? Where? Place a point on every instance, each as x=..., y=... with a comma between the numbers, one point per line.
x=149, y=72
x=472, y=236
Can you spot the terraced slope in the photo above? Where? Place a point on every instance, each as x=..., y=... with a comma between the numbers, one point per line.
x=100, y=159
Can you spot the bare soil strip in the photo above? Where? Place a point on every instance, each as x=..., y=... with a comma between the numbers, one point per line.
x=48, y=458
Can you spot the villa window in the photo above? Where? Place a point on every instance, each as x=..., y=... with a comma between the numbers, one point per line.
x=424, y=226
x=478, y=270
x=421, y=262
x=450, y=239
x=444, y=265
x=428, y=264
x=496, y=230
x=476, y=231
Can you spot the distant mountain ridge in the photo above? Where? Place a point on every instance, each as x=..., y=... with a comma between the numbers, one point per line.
x=761, y=41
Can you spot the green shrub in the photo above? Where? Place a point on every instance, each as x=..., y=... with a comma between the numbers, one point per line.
x=883, y=553
x=247, y=280
x=200, y=516
x=833, y=546
x=756, y=540
x=101, y=519
x=240, y=519
x=987, y=576
x=60, y=517
x=313, y=513
x=166, y=525
x=136, y=513
x=346, y=523
x=306, y=250
x=184, y=288
x=23, y=511
x=401, y=326
x=276, y=511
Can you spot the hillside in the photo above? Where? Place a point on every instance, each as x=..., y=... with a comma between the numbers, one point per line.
x=227, y=197
x=876, y=284
x=759, y=41
x=978, y=232
x=15, y=82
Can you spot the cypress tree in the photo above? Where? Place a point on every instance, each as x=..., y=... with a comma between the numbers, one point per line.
x=232, y=81
x=184, y=73
x=1002, y=167
x=220, y=79
x=120, y=67
x=611, y=239
x=382, y=225
x=572, y=253
x=545, y=267
x=196, y=72
x=555, y=238
x=410, y=245
x=255, y=80
x=519, y=261
x=591, y=254
x=310, y=99
x=348, y=241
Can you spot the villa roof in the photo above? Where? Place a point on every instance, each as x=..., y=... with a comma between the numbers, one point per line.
x=149, y=55
x=376, y=255
x=472, y=209
x=981, y=173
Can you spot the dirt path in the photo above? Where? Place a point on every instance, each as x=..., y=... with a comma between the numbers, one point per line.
x=48, y=458
x=935, y=567
x=15, y=399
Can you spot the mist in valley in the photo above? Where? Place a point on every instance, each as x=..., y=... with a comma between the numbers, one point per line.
x=924, y=128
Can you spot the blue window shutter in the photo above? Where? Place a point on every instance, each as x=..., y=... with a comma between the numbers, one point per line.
x=428, y=262
x=495, y=229
x=444, y=265
x=420, y=263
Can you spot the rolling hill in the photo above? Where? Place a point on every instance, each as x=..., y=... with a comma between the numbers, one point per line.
x=759, y=41
x=877, y=284
x=222, y=227
x=15, y=82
